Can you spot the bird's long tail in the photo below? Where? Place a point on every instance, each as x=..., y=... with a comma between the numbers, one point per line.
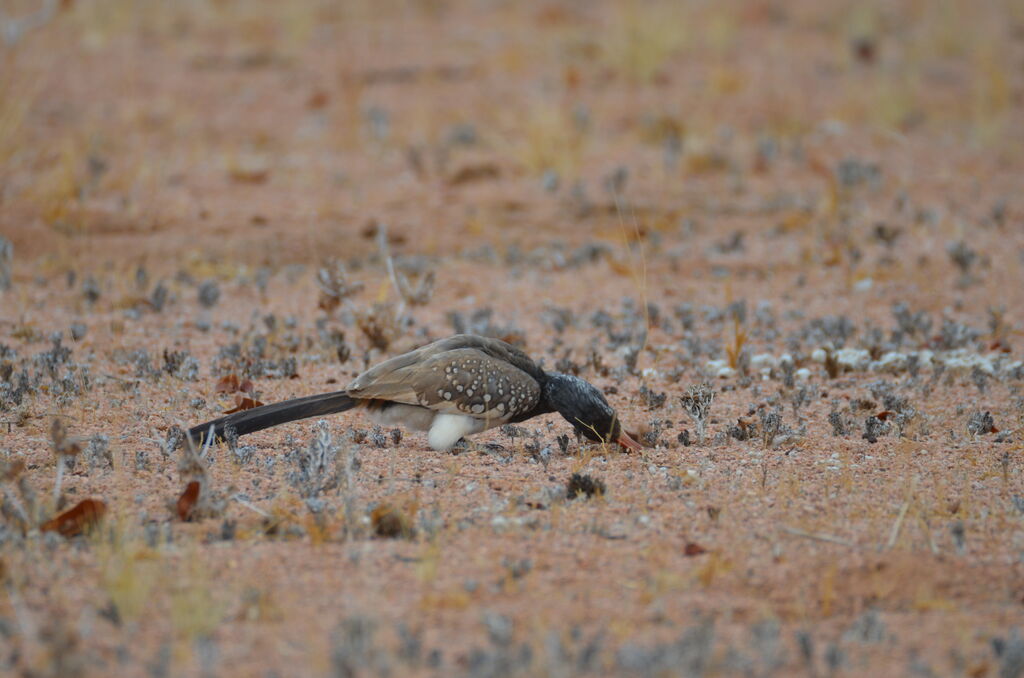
x=266, y=416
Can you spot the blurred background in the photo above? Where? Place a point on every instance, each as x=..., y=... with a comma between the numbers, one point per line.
x=273, y=133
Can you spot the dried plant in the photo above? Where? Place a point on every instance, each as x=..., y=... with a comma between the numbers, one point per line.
x=964, y=258
x=771, y=426
x=652, y=400
x=841, y=423
x=19, y=506
x=379, y=324
x=588, y=486
x=734, y=350
x=335, y=286
x=981, y=423
x=393, y=522
x=66, y=448
x=875, y=428
x=208, y=293
x=319, y=468
x=697, y=404
x=6, y=257
x=199, y=500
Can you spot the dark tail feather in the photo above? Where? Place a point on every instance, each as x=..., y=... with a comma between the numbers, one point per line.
x=266, y=416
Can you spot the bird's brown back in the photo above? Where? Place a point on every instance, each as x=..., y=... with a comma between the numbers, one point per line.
x=464, y=374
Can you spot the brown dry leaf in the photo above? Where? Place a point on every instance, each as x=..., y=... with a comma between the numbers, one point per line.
x=227, y=384
x=474, y=173
x=369, y=231
x=391, y=522
x=78, y=519
x=232, y=384
x=187, y=500
x=693, y=549
x=317, y=100
x=747, y=427
x=707, y=162
x=243, y=403
x=832, y=367
x=250, y=173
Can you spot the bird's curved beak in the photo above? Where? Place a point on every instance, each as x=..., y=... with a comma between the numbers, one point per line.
x=628, y=441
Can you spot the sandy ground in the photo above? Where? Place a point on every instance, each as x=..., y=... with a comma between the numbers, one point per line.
x=814, y=207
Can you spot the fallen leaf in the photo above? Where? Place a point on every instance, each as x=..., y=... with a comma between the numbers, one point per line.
x=865, y=49
x=82, y=517
x=250, y=174
x=693, y=549
x=474, y=173
x=369, y=231
x=391, y=522
x=317, y=100
x=187, y=500
x=243, y=403
x=227, y=384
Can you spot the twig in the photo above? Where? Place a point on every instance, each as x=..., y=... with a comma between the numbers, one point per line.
x=928, y=534
x=382, y=241
x=897, y=526
x=818, y=536
x=21, y=613
x=60, y=478
x=252, y=507
x=16, y=506
x=207, y=443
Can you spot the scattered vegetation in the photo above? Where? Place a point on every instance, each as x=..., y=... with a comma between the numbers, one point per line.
x=168, y=257
x=697, y=404
x=582, y=484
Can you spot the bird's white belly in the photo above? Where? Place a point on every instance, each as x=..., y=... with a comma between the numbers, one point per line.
x=449, y=428
x=444, y=429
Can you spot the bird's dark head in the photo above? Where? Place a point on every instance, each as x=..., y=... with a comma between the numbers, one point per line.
x=586, y=409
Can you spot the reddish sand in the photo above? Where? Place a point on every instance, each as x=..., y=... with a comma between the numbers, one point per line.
x=549, y=161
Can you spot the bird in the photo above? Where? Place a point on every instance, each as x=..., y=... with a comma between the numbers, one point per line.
x=451, y=388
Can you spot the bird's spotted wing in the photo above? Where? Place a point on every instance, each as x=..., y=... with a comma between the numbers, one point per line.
x=460, y=381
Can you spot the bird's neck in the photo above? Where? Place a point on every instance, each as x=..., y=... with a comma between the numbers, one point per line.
x=543, y=405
